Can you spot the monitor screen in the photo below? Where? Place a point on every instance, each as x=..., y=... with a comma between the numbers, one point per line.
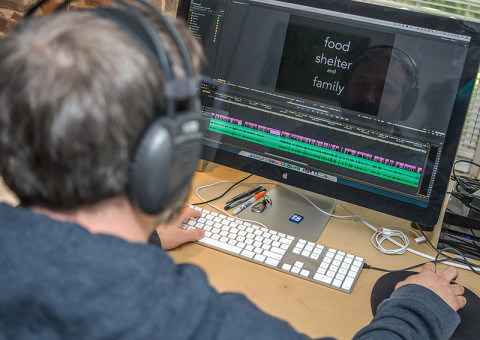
x=354, y=101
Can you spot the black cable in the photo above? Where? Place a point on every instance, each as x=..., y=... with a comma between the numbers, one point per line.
x=473, y=232
x=470, y=185
x=465, y=187
x=463, y=260
x=453, y=193
x=466, y=199
x=468, y=263
x=462, y=245
x=472, y=237
x=216, y=198
x=465, y=248
x=461, y=240
x=366, y=266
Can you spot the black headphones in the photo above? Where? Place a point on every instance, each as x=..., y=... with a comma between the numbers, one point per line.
x=167, y=154
x=407, y=64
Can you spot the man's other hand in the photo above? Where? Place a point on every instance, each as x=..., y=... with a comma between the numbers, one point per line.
x=440, y=284
x=171, y=235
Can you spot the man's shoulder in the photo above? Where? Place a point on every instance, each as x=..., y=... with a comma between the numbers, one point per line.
x=61, y=269
x=66, y=244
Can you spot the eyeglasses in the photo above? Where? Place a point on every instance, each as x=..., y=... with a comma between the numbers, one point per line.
x=259, y=207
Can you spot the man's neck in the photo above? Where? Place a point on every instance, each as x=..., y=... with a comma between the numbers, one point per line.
x=115, y=216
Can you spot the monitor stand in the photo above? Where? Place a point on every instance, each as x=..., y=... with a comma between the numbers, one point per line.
x=286, y=204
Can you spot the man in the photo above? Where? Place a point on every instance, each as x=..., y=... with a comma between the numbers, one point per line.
x=382, y=80
x=76, y=95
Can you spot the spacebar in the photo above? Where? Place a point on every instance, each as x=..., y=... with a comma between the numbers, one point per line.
x=221, y=245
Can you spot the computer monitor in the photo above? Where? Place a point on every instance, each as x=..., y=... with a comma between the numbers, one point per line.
x=353, y=101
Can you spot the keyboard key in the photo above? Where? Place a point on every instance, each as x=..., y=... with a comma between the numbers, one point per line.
x=272, y=262
x=304, y=272
x=272, y=255
x=321, y=270
x=331, y=273
x=299, y=264
x=354, y=268
x=337, y=282
x=221, y=245
x=323, y=278
x=259, y=257
x=247, y=253
x=305, y=253
x=347, y=284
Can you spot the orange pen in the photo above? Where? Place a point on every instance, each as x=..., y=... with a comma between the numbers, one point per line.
x=250, y=201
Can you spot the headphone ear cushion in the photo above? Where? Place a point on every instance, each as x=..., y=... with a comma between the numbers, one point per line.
x=149, y=168
x=164, y=162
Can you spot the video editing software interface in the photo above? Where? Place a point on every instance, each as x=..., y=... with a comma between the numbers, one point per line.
x=348, y=99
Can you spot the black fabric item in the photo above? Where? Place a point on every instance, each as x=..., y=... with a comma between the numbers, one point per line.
x=469, y=327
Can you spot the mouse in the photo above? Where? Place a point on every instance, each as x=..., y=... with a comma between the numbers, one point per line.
x=469, y=327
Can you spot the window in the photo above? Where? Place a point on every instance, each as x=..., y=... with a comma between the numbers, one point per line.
x=468, y=10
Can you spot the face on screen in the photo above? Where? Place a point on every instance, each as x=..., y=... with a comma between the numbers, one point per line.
x=369, y=88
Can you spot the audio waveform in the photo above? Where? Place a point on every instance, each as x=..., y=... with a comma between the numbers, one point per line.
x=329, y=146
x=332, y=154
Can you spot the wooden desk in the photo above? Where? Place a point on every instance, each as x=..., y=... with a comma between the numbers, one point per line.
x=311, y=308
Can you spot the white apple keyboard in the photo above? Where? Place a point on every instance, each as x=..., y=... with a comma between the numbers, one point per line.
x=289, y=254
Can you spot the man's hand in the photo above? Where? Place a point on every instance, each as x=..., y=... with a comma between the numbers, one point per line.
x=440, y=284
x=171, y=235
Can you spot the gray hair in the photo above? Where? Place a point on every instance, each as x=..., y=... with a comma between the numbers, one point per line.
x=76, y=94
